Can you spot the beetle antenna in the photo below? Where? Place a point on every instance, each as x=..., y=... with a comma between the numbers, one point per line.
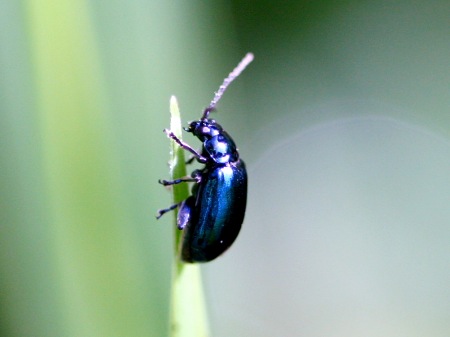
x=226, y=82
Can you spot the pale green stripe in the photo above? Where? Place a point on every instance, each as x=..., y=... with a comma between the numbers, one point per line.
x=188, y=311
x=93, y=251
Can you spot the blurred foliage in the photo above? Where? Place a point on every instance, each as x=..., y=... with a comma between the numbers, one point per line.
x=84, y=91
x=85, y=88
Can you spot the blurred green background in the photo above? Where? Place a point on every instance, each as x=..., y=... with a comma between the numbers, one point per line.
x=343, y=120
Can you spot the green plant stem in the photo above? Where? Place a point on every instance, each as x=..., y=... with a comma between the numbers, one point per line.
x=188, y=311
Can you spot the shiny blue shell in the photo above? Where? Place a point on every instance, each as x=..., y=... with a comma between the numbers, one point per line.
x=212, y=217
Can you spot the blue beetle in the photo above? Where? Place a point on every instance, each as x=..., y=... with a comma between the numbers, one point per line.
x=212, y=216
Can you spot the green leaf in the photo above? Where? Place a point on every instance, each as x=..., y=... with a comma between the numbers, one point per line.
x=188, y=310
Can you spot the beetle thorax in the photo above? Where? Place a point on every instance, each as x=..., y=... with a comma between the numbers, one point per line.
x=216, y=141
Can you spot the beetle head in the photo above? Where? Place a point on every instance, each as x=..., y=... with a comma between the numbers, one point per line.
x=204, y=129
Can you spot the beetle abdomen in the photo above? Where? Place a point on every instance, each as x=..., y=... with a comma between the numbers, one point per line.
x=219, y=213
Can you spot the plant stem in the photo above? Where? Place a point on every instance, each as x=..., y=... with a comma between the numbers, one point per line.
x=188, y=311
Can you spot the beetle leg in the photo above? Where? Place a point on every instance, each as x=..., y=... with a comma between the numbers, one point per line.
x=180, y=180
x=161, y=212
x=185, y=146
x=192, y=157
x=185, y=213
x=190, y=160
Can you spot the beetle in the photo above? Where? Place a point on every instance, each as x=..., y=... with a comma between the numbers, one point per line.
x=211, y=217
